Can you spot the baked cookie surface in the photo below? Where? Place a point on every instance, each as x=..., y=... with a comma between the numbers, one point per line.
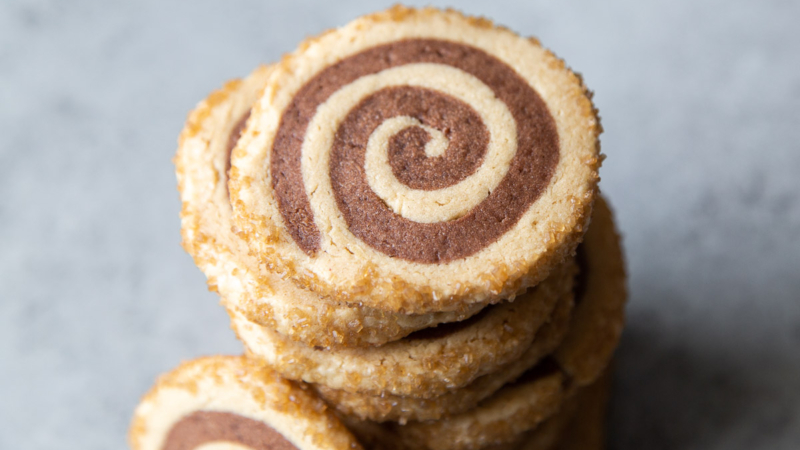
x=502, y=419
x=232, y=402
x=580, y=423
x=388, y=407
x=202, y=165
x=599, y=313
x=587, y=429
x=534, y=413
x=427, y=363
x=417, y=161
x=582, y=339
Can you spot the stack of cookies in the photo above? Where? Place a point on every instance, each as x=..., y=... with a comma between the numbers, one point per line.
x=397, y=218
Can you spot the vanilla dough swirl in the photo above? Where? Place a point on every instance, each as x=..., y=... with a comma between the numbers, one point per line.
x=368, y=217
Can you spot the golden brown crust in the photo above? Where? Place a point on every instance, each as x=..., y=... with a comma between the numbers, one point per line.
x=579, y=425
x=422, y=368
x=547, y=435
x=599, y=316
x=372, y=284
x=594, y=331
x=388, y=407
x=497, y=420
x=502, y=419
x=535, y=415
x=322, y=323
x=587, y=429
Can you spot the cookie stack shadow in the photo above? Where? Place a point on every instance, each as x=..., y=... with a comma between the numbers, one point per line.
x=497, y=337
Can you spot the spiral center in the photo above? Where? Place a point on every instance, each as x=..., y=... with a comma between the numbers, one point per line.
x=407, y=135
x=403, y=131
x=322, y=175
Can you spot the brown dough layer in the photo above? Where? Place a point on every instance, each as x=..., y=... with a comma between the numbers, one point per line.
x=367, y=216
x=202, y=427
x=468, y=138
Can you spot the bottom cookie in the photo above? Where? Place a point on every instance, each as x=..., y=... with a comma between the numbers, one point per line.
x=579, y=425
x=587, y=429
x=499, y=420
x=232, y=402
x=530, y=414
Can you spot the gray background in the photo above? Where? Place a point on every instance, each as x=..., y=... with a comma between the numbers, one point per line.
x=701, y=105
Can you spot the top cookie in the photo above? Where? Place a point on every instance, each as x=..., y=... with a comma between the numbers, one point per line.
x=417, y=161
x=202, y=164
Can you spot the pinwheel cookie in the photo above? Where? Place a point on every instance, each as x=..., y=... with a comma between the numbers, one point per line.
x=600, y=296
x=579, y=425
x=203, y=162
x=425, y=364
x=592, y=333
x=501, y=419
x=388, y=407
x=587, y=429
x=417, y=161
x=232, y=402
x=532, y=413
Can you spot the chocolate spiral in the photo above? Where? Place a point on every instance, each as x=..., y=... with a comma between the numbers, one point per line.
x=366, y=215
x=202, y=427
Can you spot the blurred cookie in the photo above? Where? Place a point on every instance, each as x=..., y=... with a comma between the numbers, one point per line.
x=600, y=296
x=533, y=413
x=427, y=363
x=417, y=160
x=501, y=419
x=202, y=163
x=587, y=429
x=579, y=425
x=235, y=403
x=594, y=330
